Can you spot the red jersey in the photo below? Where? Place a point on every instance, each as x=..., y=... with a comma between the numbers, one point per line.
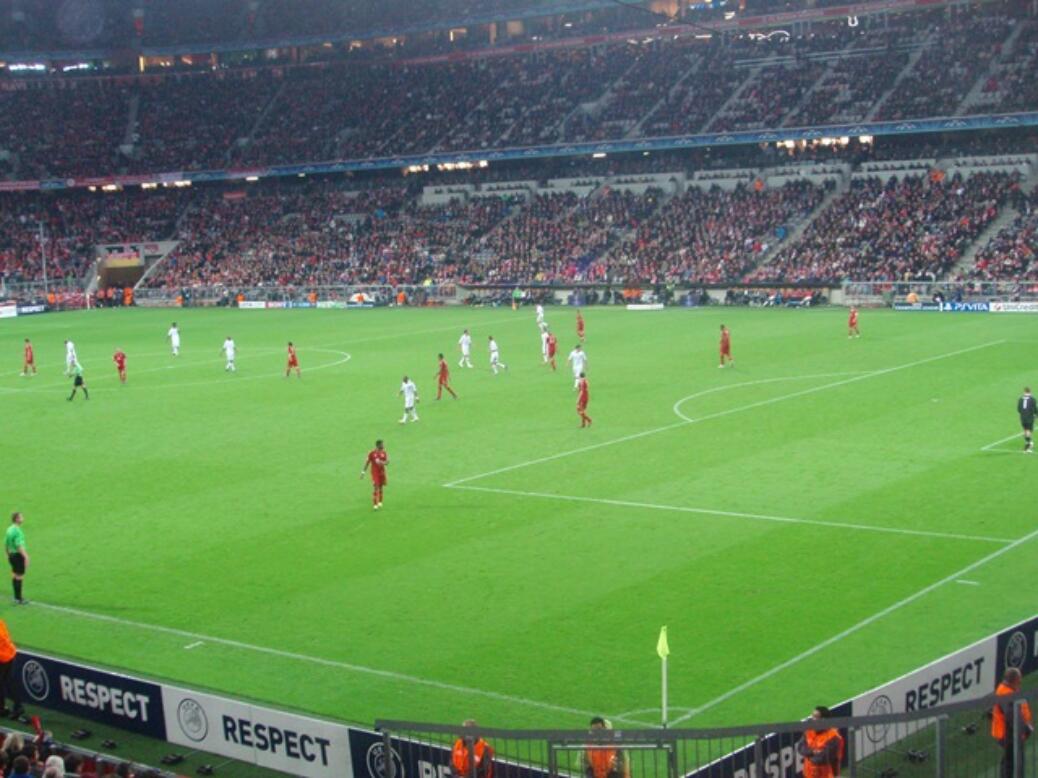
x=853, y=320
x=552, y=343
x=445, y=372
x=582, y=392
x=726, y=341
x=292, y=356
x=580, y=324
x=28, y=353
x=120, y=360
x=377, y=459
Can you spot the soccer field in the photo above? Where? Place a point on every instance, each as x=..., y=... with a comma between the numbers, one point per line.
x=822, y=517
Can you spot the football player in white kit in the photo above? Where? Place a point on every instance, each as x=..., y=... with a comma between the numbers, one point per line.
x=495, y=356
x=410, y=393
x=71, y=360
x=465, y=344
x=578, y=358
x=544, y=343
x=229, y=349
x=174, y=339
x=540, y=315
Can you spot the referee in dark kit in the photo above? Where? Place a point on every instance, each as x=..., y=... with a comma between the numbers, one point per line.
x=1025, y=407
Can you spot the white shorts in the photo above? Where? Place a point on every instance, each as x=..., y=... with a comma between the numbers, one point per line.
x=494, y=358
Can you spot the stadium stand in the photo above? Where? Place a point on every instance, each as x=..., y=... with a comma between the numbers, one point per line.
x=1012, y=254
x=911, y=66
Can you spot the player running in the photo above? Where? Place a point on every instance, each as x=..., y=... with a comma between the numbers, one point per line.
x=465, y=345
x=29, y=360
x=495, y=356
x=544, y=343
x=580, y=326
x=174, y=339
x=377, y=460
x=71, y=360
x=229, y=349
x=443, y=376
x=852, y=324
x=78, y=383
x=726, y=347
x=578, y=359
x=540, y=315
x=583, y=396
x=1025, y=406
x=120, y=364
x=553, y=346
x=293, y=362
x=410, y=393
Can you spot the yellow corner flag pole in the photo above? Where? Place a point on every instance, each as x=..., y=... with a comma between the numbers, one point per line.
x=663, y=649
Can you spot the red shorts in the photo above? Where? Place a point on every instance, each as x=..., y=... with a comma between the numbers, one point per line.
x=581, y=406
x=726, y=351
x=293, y=363
x=442, y=381
x=378, y=479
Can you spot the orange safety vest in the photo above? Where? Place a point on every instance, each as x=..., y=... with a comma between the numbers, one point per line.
x=484, y=757
x=817, y=741
x=7, y=649
x=998, y=716
x=601, y=761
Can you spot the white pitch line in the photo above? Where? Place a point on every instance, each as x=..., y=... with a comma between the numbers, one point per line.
x=1014, y=436
x=967, y=583
x=196, y=644
x=685, y=420
x=316, y=660
x=739, y=515
x=855, y=628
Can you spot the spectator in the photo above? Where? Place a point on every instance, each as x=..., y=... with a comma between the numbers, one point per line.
x=822, y=749
x=20, y=768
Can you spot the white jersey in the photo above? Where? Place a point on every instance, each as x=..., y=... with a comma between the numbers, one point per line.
x=410, y=392
x=465, y=341
x=228, y=349
x=494, y=354
x=540, y=314
x=70, y=352
x=544, y=342
x=579, y=360
x=174, y=336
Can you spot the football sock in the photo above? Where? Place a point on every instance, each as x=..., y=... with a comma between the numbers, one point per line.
x=18, y=588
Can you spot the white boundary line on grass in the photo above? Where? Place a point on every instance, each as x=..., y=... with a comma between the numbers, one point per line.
x=316, y=660
x=991, y=446
x=739, y=515
x=854, y=628
x=686, y=420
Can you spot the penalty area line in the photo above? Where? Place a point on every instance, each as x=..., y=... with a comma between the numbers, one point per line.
x=958, y=574
x=740, y=515
x=1000, y=441
x=685, y=420
x=389, y=675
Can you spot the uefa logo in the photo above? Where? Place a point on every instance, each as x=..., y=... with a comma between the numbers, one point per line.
x=376, y=761
x=35, y=680
x=192, y=720
x=881, y=706
x=1016, y=650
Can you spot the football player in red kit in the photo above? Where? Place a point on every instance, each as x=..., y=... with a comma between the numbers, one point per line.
x=852, y=324
x=293, y=362
x=553, y=346
x=582, y=400
x=120, y=364
x=443, y=377
x=726, y=346
x=29, y=365
x=580, y=326
x=377, y=460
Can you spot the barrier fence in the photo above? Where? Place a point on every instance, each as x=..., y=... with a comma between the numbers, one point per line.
x=952, y=742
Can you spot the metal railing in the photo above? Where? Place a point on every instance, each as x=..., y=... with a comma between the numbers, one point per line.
x=952, y=741
x=889, y=292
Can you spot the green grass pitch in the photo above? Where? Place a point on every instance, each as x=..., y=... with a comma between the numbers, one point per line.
x=801, y=521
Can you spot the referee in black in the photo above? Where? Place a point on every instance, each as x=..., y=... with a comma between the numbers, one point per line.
x=1025, y=406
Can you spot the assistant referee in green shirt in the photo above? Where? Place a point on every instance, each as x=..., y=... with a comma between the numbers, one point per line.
x=14, y=542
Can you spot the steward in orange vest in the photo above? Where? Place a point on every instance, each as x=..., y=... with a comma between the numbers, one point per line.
x=605, y=762
x=462, y=752
x=822, y=749
x=7, y=686
x=1002, y=721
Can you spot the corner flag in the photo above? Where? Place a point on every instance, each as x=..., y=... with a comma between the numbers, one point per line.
x=661, y=645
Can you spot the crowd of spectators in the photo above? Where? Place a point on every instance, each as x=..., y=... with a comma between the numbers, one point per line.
x=658, y=86
x=713, y=236
x=916, y=227
x=73, y=224
x=1011, y=254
